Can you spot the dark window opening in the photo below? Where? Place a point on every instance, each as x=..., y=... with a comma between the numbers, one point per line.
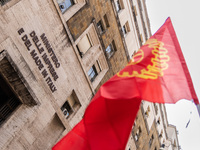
x=158, y=121
x=100, y=27
x=71, y=106
x=151, y=140
x=92, y=73
x=3, y=2
x=66, y=109
x=124, y=30
x=118, y=6
x=80, y=53
x=138, y=133
x=8, y=102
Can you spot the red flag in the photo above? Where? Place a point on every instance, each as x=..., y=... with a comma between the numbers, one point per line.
x=157, y=73
x=160, y=70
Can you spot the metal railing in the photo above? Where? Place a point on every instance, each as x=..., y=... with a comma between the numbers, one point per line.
x=8, y=108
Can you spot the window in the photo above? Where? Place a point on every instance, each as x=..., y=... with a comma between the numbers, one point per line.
x=110, y=49
x=64, y=5
x=151, y=140
x=163, y=143
x=98, y=66
x=141, y=38
x=100, y=27
x=125, y=28
x=156, y=108
x=8, y=101
x=175, y=143
x=66, y=109
x=135, y=10
x=147, y=112
x=158, y=121
x=163, y=146
x=3, y=2
x=118, y=6
x=92, y=73
x=106, y=21
x=71, y=105
x=161, y=133
x=84, y=45
x=138, y=133
x=140, y=5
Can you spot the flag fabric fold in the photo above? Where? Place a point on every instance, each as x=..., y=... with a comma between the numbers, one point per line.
x=156, y=73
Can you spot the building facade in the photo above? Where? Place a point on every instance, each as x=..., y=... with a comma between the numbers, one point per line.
x=54, y=56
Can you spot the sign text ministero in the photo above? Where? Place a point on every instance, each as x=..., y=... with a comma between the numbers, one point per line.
x=48, y=56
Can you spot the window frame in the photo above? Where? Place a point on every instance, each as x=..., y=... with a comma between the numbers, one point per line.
x=161, y=133
x=100, y=27
x=156, y=108
x=158, y=121
x=10, y=102
x=81, y=53
x=92, y=71
x=124, y=30
x=63, y=10
x=67, y=108
x=110, y=49
x=118, y=6
x=138, y=133
x=19, y=89
x=151, y=140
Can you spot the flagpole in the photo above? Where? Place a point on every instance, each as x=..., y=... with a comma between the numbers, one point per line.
x=198, y=109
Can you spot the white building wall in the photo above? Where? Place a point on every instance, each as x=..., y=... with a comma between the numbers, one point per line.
x=146, y=18
x=139, y=20
x=131, y=39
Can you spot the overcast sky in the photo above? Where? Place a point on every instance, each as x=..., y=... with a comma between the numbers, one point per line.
x=184, y=16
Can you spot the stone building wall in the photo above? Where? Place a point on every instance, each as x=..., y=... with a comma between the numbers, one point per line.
x=94, y=11
x=145, y=139
x=49, y=73
x=38, y=43
x=42, y=64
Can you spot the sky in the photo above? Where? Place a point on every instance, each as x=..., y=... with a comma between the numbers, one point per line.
x=184, y=16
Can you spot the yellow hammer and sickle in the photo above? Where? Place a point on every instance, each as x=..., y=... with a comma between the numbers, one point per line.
x=159, y=62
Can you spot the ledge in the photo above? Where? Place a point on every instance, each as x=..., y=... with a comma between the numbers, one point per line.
x=72, y=10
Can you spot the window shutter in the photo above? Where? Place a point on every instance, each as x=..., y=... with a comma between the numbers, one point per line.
x=84, y=44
